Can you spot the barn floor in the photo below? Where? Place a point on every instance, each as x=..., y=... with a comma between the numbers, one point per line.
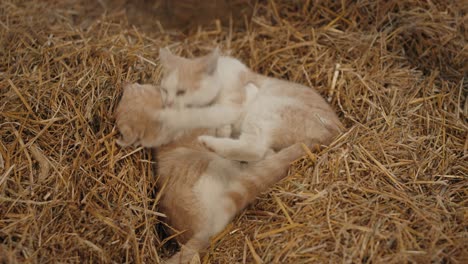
x=392, y=189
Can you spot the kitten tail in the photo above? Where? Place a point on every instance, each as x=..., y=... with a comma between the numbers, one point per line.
x=265, y=173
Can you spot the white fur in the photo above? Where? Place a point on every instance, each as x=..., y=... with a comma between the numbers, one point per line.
x=198, y=98
x=211, y=191
x=204, y=117
x=211, y=195
x=226, y=77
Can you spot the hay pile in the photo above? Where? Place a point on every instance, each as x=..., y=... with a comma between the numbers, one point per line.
x=391, y=189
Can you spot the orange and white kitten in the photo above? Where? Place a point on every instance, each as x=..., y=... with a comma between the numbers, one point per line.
x=281, y=114
x=140, y=99
x=201, y=191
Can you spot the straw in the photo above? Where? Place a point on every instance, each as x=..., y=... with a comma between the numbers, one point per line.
x=392, y=189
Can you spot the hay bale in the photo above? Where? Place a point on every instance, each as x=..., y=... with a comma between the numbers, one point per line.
x=391, y=189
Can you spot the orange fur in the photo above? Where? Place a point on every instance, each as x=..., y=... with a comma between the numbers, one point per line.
x=133, y=122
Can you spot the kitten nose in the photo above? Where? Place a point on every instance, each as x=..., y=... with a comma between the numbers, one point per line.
x=170, y=103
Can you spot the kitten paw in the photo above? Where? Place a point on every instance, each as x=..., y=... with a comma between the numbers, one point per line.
x=206, y=141
x=122, y=143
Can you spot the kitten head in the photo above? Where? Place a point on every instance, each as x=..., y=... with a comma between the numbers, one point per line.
x=135, y=116
x=184, y=77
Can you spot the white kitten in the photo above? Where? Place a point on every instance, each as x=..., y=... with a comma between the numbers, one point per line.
x=281, y=114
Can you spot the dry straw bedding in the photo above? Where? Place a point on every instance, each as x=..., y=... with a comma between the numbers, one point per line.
x=393, y=188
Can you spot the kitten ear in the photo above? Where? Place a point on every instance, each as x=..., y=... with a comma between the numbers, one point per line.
x=167, y=58
x=211, y=61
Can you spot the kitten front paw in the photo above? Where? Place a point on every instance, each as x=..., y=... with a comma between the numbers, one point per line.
x=206, y=141
x=122, y=143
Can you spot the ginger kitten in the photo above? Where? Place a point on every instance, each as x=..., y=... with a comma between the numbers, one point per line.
x=202, y=191
x=281, y=113
x=142, y=130
x=138, y=100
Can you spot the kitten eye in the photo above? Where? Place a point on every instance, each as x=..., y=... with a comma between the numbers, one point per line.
x=180, y=92
x=164, y=90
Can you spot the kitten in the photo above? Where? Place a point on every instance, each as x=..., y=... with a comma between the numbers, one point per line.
x=202, y=191
x=139, y=100
x=135, y=101
x=280, y=114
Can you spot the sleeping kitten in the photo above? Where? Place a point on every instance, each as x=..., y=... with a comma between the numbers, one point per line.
x=281, y=114
x=202, y=191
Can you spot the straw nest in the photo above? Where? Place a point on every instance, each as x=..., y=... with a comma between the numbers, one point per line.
x=393, y=188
